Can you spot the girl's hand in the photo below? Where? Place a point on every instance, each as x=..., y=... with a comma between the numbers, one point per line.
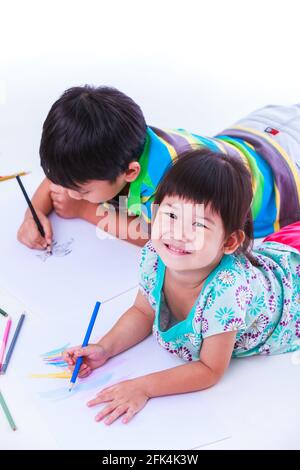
x=94, y=356
x=125, y=399
x=29, y=234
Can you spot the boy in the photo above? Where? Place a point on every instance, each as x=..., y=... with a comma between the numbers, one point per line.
x=96, y=147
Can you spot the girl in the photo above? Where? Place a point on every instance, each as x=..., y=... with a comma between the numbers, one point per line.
x=204, y=292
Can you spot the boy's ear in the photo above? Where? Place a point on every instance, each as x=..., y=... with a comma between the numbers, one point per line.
x=234, y=241
x=132, y=172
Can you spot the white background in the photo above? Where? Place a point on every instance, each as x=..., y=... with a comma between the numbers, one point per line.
x=199, y=65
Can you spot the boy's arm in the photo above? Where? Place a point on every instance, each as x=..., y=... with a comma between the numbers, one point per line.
x=134, y=326
x=41, y=199
x=214, y=359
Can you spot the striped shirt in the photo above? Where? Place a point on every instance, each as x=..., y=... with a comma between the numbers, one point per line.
x=275, y=180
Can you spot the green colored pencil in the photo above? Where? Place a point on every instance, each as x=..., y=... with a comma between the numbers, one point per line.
x=3, y=313
x=7, y=413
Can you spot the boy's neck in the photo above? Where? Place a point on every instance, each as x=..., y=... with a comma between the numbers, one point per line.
x=124, y=191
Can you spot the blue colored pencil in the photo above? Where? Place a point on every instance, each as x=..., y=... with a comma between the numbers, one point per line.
x=12, y=344
x=85, y=343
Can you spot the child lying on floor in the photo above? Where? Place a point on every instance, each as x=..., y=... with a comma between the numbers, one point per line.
x=204, y=292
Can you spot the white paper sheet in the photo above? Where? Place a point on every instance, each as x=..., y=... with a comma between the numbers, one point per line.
x=177, y=422
x=92, y=269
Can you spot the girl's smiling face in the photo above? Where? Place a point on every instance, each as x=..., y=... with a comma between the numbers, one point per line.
x=188, y=236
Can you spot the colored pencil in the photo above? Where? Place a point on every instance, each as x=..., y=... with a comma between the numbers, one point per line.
x=4, y=341
x=12, y=344
x=34, y=214
x=3, y=313
x=10, y=177
x=85, y=343
x=7, y=413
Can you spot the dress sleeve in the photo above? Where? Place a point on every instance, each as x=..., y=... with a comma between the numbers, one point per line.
x=148, y=272
x=225, y=303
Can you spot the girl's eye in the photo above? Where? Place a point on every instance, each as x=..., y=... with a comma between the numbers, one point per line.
x=199, y=224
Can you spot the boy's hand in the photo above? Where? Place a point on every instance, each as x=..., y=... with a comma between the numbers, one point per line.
x=29, y=234
x=94, y=356
x=125, y=399
x=63, y=204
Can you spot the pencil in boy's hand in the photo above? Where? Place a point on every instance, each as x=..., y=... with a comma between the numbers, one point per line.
x=85, y=343
x=7, y=413
x=34, y=214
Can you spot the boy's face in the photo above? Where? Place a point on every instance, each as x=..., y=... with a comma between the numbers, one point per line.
x=187, y=236
x=97, y=191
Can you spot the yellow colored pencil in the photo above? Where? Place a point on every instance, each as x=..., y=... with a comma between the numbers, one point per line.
x=57, y=375
x=10, y=177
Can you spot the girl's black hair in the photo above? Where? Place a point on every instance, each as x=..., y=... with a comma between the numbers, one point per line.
x=204, y=176
x=91, y=133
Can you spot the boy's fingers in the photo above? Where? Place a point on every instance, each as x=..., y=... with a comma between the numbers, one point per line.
x=48, y=231
x=38, y=242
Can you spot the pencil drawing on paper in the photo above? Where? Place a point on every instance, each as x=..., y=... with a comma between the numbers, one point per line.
x=58, y=249
x=100, y=377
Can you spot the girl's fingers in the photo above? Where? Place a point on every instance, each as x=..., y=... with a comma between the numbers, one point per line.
x=106, y=390
x=68, y=358
x=119, y=411
x=106, y=411
x=100, y=399
x=128, y=415
x=71, y=350
x=84, y=373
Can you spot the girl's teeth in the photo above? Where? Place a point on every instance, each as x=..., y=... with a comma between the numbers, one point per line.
x=177, y=250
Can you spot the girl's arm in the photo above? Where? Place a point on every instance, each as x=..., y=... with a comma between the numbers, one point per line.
x=133, y=326
x=215, y=356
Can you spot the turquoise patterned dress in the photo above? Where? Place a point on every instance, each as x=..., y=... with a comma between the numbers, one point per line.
x=261, y=303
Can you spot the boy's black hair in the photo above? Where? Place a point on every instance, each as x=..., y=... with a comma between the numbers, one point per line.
x=91, y=134
x=204, y=176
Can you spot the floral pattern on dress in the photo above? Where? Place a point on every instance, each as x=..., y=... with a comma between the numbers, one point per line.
x=226, y=277
x=243, y=296
x=224, y=314
x=257, y=305
x=259, y=325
